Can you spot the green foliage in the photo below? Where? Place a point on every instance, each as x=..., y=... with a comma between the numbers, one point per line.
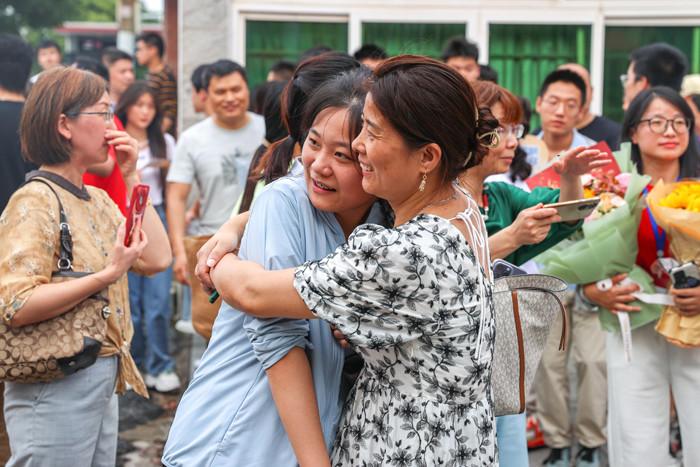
x=35, y=18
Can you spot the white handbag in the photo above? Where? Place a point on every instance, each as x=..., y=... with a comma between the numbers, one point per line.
x=525, y=306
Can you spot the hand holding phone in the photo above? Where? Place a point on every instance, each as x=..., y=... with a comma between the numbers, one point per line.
x=137, y=207
x=575, y=210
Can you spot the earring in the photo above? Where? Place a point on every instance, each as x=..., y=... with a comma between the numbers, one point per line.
x=423, y=182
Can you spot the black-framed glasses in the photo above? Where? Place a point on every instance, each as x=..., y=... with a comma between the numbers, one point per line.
x=659, y=125
x=107, y=115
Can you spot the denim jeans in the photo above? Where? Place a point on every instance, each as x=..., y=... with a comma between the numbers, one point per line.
x=512, y=440
x=69, y=422
x=149, y=300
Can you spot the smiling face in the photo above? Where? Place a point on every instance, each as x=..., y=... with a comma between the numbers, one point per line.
x=333, y=180
x=142, y=113
x=500, y=158
x=390, y=169
x=667, y=146
x=228, y=97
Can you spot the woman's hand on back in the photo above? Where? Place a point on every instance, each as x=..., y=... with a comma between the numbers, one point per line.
x=123, y=257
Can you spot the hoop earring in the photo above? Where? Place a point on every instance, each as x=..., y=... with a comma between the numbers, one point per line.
x=423, y=182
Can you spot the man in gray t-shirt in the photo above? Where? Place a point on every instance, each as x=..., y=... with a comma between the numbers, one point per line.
x=214, y=154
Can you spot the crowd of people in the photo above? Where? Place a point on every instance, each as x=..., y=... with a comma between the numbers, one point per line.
x=347, y=212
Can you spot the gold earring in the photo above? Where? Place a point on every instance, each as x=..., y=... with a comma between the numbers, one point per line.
x=423, y=182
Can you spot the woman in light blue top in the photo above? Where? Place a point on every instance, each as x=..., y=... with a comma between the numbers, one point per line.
x=228, y=415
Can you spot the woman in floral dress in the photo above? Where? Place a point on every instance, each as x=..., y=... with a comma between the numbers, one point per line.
x=414, y=300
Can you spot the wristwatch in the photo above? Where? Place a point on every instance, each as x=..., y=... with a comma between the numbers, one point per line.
x=584, y=302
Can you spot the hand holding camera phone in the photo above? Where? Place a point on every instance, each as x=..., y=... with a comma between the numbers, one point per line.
x=139, y=201
x=685, y=276
x=575, y=210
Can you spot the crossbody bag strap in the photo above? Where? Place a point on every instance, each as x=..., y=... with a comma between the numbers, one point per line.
x=65, y=253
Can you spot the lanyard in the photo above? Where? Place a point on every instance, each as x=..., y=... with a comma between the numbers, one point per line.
x=659, y=234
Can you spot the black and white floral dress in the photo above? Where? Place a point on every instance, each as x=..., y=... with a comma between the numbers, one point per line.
x=415, y=302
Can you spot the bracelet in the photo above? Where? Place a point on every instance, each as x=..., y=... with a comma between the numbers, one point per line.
x=584, y=300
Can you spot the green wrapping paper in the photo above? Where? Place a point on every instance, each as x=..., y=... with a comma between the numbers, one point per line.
x=603, y=248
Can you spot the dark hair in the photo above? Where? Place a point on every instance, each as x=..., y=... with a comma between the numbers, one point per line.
x=661, y=64
x=520, y=168
x=156, y=140
x=153, y=39
x=314, y=52
x=197, y=77
x=83, y=62
x=283, y=69
x=15, y=63
x=488, y=73
x=259, y=94
x=564, y=76
x=111, y=55
x=309, y=75
x=460, y=47
x=275, y=130
x=223, y=67
x=428, y=102
x=371, y=51
x=57, y=91
x=48, y=44
x=690, y=160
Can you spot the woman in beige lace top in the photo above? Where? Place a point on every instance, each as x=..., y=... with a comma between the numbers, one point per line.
x=67, y=126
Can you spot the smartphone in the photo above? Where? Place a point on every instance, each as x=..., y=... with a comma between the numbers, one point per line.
x=575, y=210
x=502, y=268
x=139, y=200
x=685, y=276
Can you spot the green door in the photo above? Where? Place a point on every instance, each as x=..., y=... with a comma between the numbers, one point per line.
x=411, y=38
x=621, y=40
x=524, y=54
x=270, y=41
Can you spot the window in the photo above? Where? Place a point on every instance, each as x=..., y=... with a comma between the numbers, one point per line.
x=407, y=38
x=270, y=41
x=524, y=54
x=620, y=41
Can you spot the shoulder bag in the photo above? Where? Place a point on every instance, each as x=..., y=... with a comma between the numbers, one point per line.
x=62, y=345
x=525, y=306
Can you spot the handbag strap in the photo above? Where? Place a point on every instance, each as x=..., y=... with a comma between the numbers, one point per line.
x=65, y=253
x=563, y=341
x=521, y=349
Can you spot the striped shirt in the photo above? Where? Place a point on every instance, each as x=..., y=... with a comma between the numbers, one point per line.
x=165, y=86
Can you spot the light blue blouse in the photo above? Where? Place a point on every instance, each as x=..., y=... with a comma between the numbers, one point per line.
x=227, y=415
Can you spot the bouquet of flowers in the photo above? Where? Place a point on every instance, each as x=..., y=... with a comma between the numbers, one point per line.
x=676, y=208
x=606, y=244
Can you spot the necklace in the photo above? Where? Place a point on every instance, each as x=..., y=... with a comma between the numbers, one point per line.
x=442, y=201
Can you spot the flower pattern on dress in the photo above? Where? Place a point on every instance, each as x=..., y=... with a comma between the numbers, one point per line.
x=409, y=300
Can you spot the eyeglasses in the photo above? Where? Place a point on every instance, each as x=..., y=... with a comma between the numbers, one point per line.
x=570, y=106
x=107, y=116
x=659, y=125
x=516, y=131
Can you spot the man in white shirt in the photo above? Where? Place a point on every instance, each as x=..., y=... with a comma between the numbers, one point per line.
x=215, y=152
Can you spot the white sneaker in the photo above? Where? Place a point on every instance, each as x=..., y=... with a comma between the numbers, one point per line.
x=184, y=326
x=167, y=381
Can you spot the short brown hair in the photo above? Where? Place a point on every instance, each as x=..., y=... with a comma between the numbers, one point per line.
x=427, y=102
x=57, y=91
x=489, y=94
